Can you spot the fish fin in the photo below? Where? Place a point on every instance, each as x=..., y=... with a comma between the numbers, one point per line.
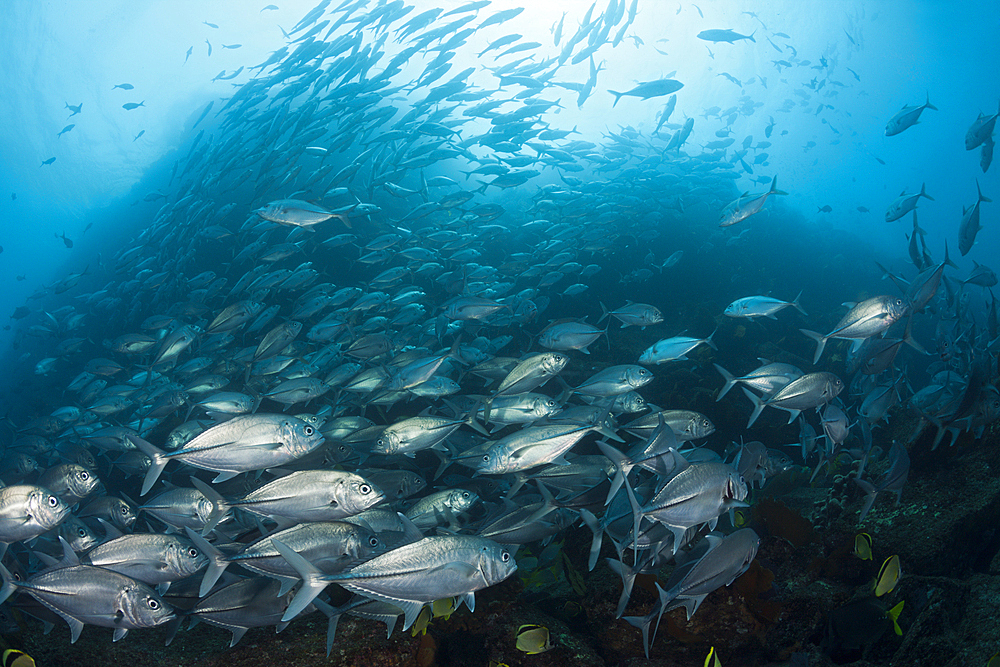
x=909, y=340
x=923, y=192
x=643, y=623
x=217, y=561
x=75, y=626
x=947, y=261
x=8, y=583
x=119, y=633
x=158, y=461
x=595, y=545
x=798, y=306
x=623, y=464
x=224, y=476
x=893, y=615
x=871, y=492
x=628, y=575
x=820, y=343
x=618, y=96
x=928, y=104
x=287, y=585
x=980, y=191
x=312, y=580
x=730, y=381
x=758, y=406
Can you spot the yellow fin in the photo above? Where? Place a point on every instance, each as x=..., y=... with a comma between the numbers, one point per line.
x=894, y=614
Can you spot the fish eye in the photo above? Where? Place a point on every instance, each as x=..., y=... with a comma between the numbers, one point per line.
x=81, y=532
x=365, y=489
x=308, y=430
x=53, y=501
x=465, y=495
x=486, y=458
x=124, y=510
x=373, y=541
x=192, y=552
x=85, y=475
x=505, y=556
x=152, y=604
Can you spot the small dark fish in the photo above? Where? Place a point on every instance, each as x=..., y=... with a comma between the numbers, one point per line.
x=188, y=54
x=124, y=86
x=128, y=106
x=231, y=46
x=209, y=47
x=65, y=130
x=210, y=25
x=269, y=7
x=863, y=209
x=141, y=132
x=825, y=209
x=67, y=241
x=49, y=161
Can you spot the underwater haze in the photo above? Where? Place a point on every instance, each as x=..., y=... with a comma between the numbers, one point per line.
x=568, y=297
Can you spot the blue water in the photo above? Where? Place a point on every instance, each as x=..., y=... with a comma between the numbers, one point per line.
x=113, y=169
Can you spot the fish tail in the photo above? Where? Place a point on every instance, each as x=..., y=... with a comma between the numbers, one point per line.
x=217, y=561
x=758, y=406
x=158, y=461
x=923, y=191
x=908, y=337
x=312, y=582
x=8, y=582
x=604, y=312
x=708, y=341
x=893, y=615
x=643, y=623
x=750, y=37
x=595, y=527
x=820, y=343
x=628, y=581
x=730, y=382
x=928, y=105
x=947, y=261
x=487, y=407
x=798, y=306
x=617, y=95
x=980, y=191
x=871, y=492
x=623, y=464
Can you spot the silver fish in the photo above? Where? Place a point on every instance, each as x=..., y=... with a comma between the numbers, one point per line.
x=84, y=594
x=244, y=443
x=412, y=575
